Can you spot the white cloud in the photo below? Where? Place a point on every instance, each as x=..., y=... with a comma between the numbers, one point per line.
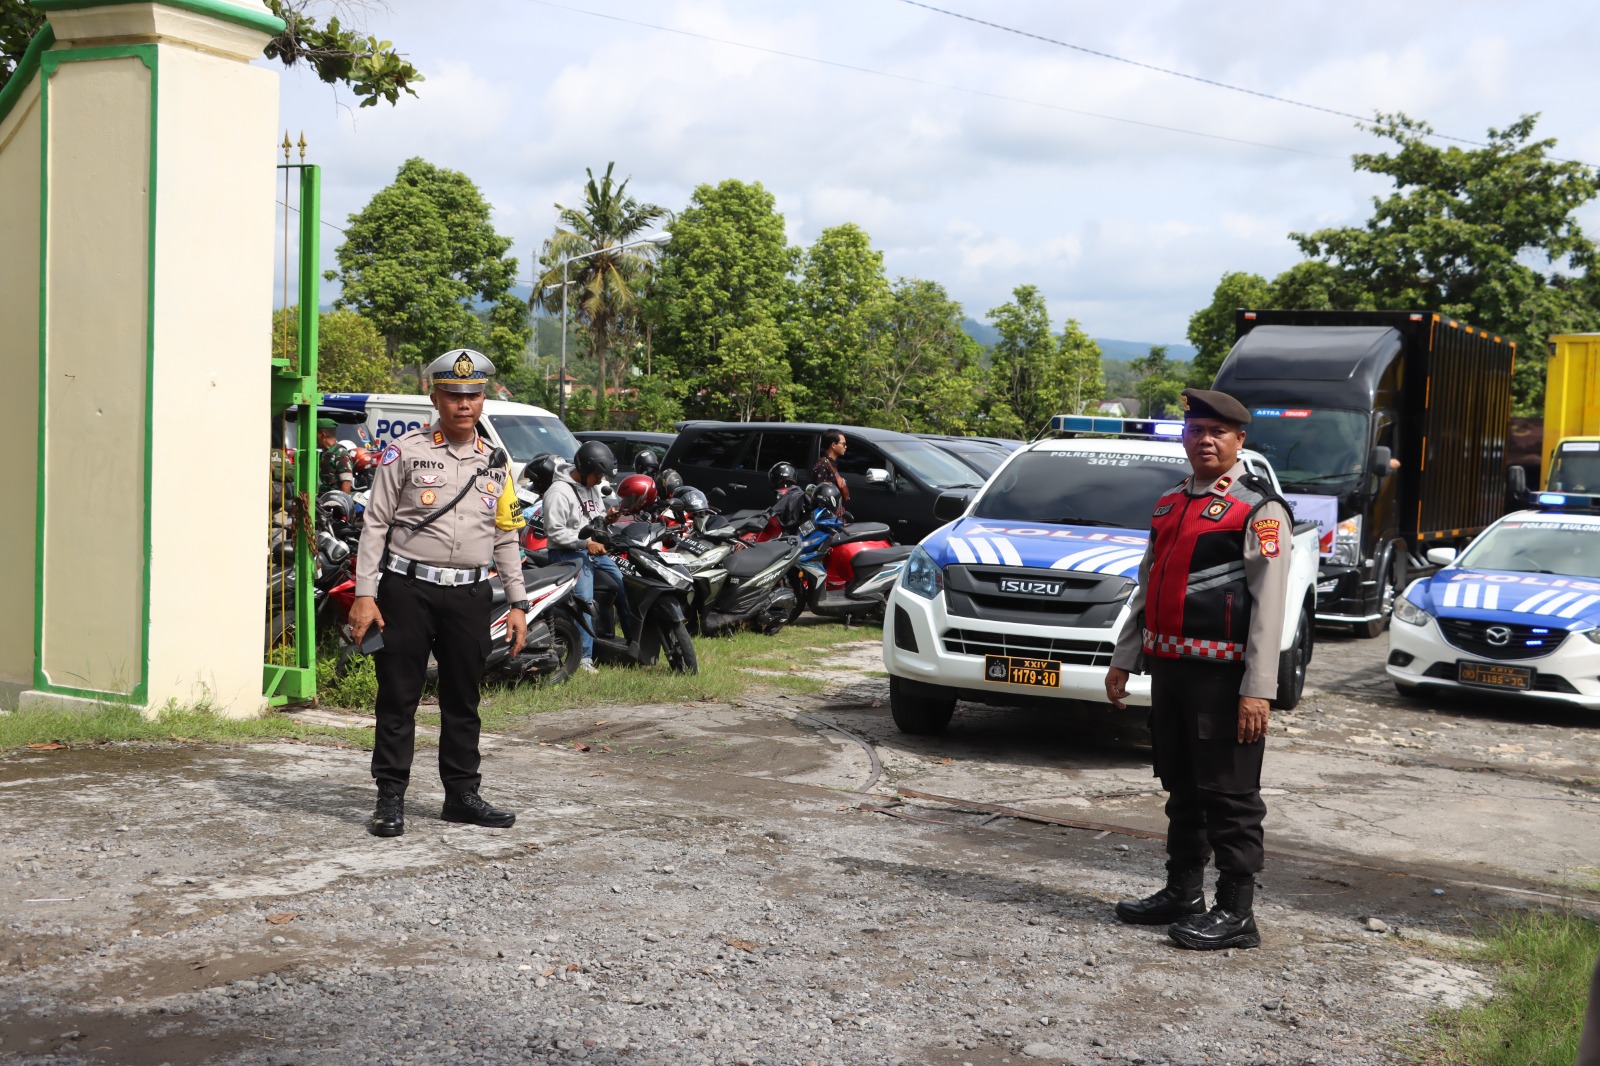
x=1124, y=226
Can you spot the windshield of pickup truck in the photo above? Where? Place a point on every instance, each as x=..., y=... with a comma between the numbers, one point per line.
x=526, y=436
x=1087, y=488
x=1309, y=447
x=934, y=468
x=1576, y=468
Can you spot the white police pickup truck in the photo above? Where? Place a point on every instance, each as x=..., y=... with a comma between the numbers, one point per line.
x=1023, y=595
x=1518, y=612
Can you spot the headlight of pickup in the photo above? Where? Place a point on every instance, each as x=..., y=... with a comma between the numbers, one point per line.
x=1347, y=543
x=922, y=575
x=1410, y=613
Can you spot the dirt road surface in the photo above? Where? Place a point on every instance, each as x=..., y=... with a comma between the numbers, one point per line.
x=780, y=880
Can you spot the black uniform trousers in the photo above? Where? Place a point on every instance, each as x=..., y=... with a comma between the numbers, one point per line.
x=453, y=623
x=1213, y=782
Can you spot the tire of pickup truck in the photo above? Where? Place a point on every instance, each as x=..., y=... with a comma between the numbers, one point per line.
x=1387, y=592
x=1292, y=664
x=919, y=709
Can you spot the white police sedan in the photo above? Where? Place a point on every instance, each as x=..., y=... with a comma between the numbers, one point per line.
x=1517, y=612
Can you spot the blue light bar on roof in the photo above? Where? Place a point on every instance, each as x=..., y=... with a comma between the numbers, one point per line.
x=1552, y=499
x=1116, y=427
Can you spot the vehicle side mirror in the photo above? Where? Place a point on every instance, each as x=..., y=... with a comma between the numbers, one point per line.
x=949, y=506
x=877, y=475
x=1381, y=456
x=1441, y=556
x=1517, y=482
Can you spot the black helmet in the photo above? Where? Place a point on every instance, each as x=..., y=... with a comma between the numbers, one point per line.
x=336, y=503
x=828, y=496
x=541, y=471
x=594, y=458
x=692, y=501
x=783, y=474
x=646, y=462
x=668, y=482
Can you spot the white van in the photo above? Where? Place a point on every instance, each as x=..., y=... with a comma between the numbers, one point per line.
x=523, y=430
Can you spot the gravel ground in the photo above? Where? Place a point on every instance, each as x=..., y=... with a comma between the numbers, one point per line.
x=703, y=885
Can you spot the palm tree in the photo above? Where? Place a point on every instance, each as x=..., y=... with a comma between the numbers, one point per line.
x=605, y=288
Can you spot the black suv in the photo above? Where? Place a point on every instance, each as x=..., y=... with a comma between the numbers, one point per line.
x=893, y=477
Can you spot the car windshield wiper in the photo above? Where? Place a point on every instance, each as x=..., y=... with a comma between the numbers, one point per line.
x=1074, y=520
x=1317, y=478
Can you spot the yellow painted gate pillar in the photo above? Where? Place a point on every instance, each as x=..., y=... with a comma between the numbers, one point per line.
x=152, y=139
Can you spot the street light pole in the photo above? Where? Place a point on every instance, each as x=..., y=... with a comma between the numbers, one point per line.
x=657, y=239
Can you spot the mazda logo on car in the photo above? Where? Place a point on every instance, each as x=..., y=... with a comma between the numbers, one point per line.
x=1499, y=636
x=1030, y=588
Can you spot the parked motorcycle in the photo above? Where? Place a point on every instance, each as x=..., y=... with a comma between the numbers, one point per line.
x=661, y=598
x=736, y=584
x=845, y=569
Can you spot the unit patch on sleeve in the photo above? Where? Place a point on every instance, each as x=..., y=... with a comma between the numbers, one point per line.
x=390, y=454
x=1216, y=509
x=1266, y=531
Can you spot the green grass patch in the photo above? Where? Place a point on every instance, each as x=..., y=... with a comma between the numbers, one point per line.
x=725, y=674
x=1544, y=961
x=111, y=723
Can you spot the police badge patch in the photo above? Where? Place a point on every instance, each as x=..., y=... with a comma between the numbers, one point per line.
x=390, y=454
x=1266, y=531
x=1216, y=509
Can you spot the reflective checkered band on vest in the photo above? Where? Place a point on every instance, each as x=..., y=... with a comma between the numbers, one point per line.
x=1192, y=648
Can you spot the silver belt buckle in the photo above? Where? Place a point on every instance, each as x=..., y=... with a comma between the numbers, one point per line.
x=448, y=575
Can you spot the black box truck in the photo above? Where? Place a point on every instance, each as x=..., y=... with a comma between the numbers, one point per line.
x=1387, y=428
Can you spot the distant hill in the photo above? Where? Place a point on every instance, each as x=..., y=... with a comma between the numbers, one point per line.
x=1121, y=351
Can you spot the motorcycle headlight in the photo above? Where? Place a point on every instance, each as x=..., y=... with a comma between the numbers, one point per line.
x=922, y=575
x=1408, y=612
x=1347, y=543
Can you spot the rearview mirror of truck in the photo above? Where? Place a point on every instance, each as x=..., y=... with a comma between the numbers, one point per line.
x=1381, y=457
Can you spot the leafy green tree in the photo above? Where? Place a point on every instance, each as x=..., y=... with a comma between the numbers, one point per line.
x=350, y=352
x=657, y=402
x=916, y=379
x=1022, y=363
x=370, y=68
x=1158, y=382
x=842, y=304
x=1488, y=235
x=418, y=258
x=1082, y=382
x=604, y=289
x=726, y=271
x=1211, y=328
x=750, y=377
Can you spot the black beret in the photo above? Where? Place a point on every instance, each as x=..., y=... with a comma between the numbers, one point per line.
x=1204, y=403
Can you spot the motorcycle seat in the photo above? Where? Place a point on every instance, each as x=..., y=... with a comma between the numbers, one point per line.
x=878, y=558
x=757, y=558
x=856, y=531
x=543, y=576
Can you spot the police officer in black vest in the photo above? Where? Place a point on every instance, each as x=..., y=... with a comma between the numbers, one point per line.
x=1207, y=620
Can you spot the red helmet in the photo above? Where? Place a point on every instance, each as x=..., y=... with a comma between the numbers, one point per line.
x=637, y=491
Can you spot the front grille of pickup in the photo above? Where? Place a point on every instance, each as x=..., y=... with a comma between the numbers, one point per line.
x=1070, y=652
x=1524, y=642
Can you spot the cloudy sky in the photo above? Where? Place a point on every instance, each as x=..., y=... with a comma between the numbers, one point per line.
x=973, y=154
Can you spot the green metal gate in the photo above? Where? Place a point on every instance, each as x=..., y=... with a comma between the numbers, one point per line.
x=291, y=668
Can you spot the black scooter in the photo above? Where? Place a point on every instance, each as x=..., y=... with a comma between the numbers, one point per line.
x=660, y=601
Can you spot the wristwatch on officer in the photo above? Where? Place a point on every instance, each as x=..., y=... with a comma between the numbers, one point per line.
x=522, y=605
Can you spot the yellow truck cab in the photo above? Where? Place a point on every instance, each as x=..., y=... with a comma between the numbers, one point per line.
x=1572, y=414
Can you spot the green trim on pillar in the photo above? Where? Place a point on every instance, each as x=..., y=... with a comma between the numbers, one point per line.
x=49, y=63
x=218, y=9
x=26, y=68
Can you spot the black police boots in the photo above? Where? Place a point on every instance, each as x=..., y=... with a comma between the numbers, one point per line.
x=1184, y=896
x=389, y=817
x=1230, y=923
x=473, y=809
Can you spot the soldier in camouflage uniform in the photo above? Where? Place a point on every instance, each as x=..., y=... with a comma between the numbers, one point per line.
x=337, y=471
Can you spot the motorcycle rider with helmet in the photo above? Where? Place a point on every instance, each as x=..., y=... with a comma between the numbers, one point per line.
x=793, y=506
x=646, y=462
x=572, y=501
